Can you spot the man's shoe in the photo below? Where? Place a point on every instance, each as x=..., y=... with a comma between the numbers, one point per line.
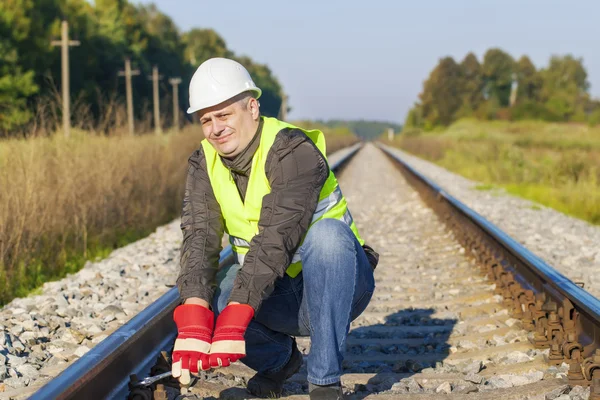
x=328, y=392
x=271, y=385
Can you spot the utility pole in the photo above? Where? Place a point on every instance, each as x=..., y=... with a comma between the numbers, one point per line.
x=154, y=78
x=175, y=83
x=128, y=73
x=64, y=43
x=514, y=88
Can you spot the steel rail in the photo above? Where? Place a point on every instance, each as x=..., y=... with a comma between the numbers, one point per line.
x=581, y=298
x=565, y=317
x=104, y=371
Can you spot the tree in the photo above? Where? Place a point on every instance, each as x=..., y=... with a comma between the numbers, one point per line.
x=34, y=48
x=109, y=32
x=202, y=44
x=164, y=48
x=558, y=92
x=271, y=97
x=414, y=117
x=530, y=81
x=442, y=94
x=16, y=85
x=498, y=67
x=565, y=86
x=110, y=20
x=472, y=84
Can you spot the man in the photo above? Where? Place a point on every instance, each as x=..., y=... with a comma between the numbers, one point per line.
x=301, y=267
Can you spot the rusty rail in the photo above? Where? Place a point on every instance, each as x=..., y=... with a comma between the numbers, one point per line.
x=561, y=315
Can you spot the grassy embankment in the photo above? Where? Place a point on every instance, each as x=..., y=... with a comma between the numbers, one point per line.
x=63, y=202
x=557, y=165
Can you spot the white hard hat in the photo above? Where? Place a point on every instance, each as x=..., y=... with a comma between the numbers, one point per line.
x=216, y=80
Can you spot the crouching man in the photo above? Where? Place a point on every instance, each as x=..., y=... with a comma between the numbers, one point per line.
x=301, y=266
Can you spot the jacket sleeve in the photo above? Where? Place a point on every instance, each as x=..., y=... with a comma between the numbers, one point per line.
x=296, y=171
x=202, y=226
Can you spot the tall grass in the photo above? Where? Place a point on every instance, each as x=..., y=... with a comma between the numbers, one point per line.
x=557, y=165
x=65, y=201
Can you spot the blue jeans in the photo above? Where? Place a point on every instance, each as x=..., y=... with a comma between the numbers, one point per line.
x=334, y=288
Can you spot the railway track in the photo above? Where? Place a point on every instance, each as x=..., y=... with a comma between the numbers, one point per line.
x=460, y=310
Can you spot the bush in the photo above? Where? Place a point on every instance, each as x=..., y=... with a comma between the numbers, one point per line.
x=531, y=110
x=594, y=118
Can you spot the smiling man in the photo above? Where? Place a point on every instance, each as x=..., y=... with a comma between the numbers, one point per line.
x=301, y=267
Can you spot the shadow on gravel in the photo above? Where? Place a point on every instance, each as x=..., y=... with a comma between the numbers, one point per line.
x=407, y=342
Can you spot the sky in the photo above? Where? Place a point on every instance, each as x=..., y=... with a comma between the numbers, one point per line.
x=368, y=59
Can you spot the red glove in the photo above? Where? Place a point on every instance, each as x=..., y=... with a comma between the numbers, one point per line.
x=195, y=327
x=228, y=344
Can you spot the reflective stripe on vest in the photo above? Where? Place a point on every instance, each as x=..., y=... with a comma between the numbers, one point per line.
x=241, y=218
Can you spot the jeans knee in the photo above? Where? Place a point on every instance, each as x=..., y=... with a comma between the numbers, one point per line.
x=327, y=240
x=326, y=233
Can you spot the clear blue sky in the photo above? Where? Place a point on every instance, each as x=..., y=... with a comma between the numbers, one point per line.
x=368, y=59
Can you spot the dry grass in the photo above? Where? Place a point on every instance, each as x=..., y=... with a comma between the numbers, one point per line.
x=64, y=199
x=335, y=142
x=63, y=202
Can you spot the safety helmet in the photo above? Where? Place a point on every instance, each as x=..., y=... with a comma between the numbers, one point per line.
x=216, y=80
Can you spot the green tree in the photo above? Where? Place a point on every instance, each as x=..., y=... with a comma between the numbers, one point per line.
x=109, y=32
x=202, y=44
x=163, y=47
x=528, y=105
x=111, y=20
x=271, y=98
x=414, y=117
x=16, y=85
x=565, y=86
x=35, y=51
x=593, y=110
x=530, y=81
x=442, y=93
x=471, y=85
x=498, y=68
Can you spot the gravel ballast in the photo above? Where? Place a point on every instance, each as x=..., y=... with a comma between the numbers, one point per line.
x=41, y=334
x=570, y=245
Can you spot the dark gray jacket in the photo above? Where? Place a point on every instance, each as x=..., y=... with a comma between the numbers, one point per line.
x=296, y=171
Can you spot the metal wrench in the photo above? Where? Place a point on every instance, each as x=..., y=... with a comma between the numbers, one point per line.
x=151, y=379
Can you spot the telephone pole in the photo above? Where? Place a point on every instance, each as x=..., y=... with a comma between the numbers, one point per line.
x=175, y=83
x=154, y=78
x=128, y=73
x=64, y=43
x=514, y=88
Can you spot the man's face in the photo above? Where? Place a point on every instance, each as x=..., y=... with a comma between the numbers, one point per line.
x=230, y=126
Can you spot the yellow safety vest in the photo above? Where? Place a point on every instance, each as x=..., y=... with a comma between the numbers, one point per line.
x=241, y=218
